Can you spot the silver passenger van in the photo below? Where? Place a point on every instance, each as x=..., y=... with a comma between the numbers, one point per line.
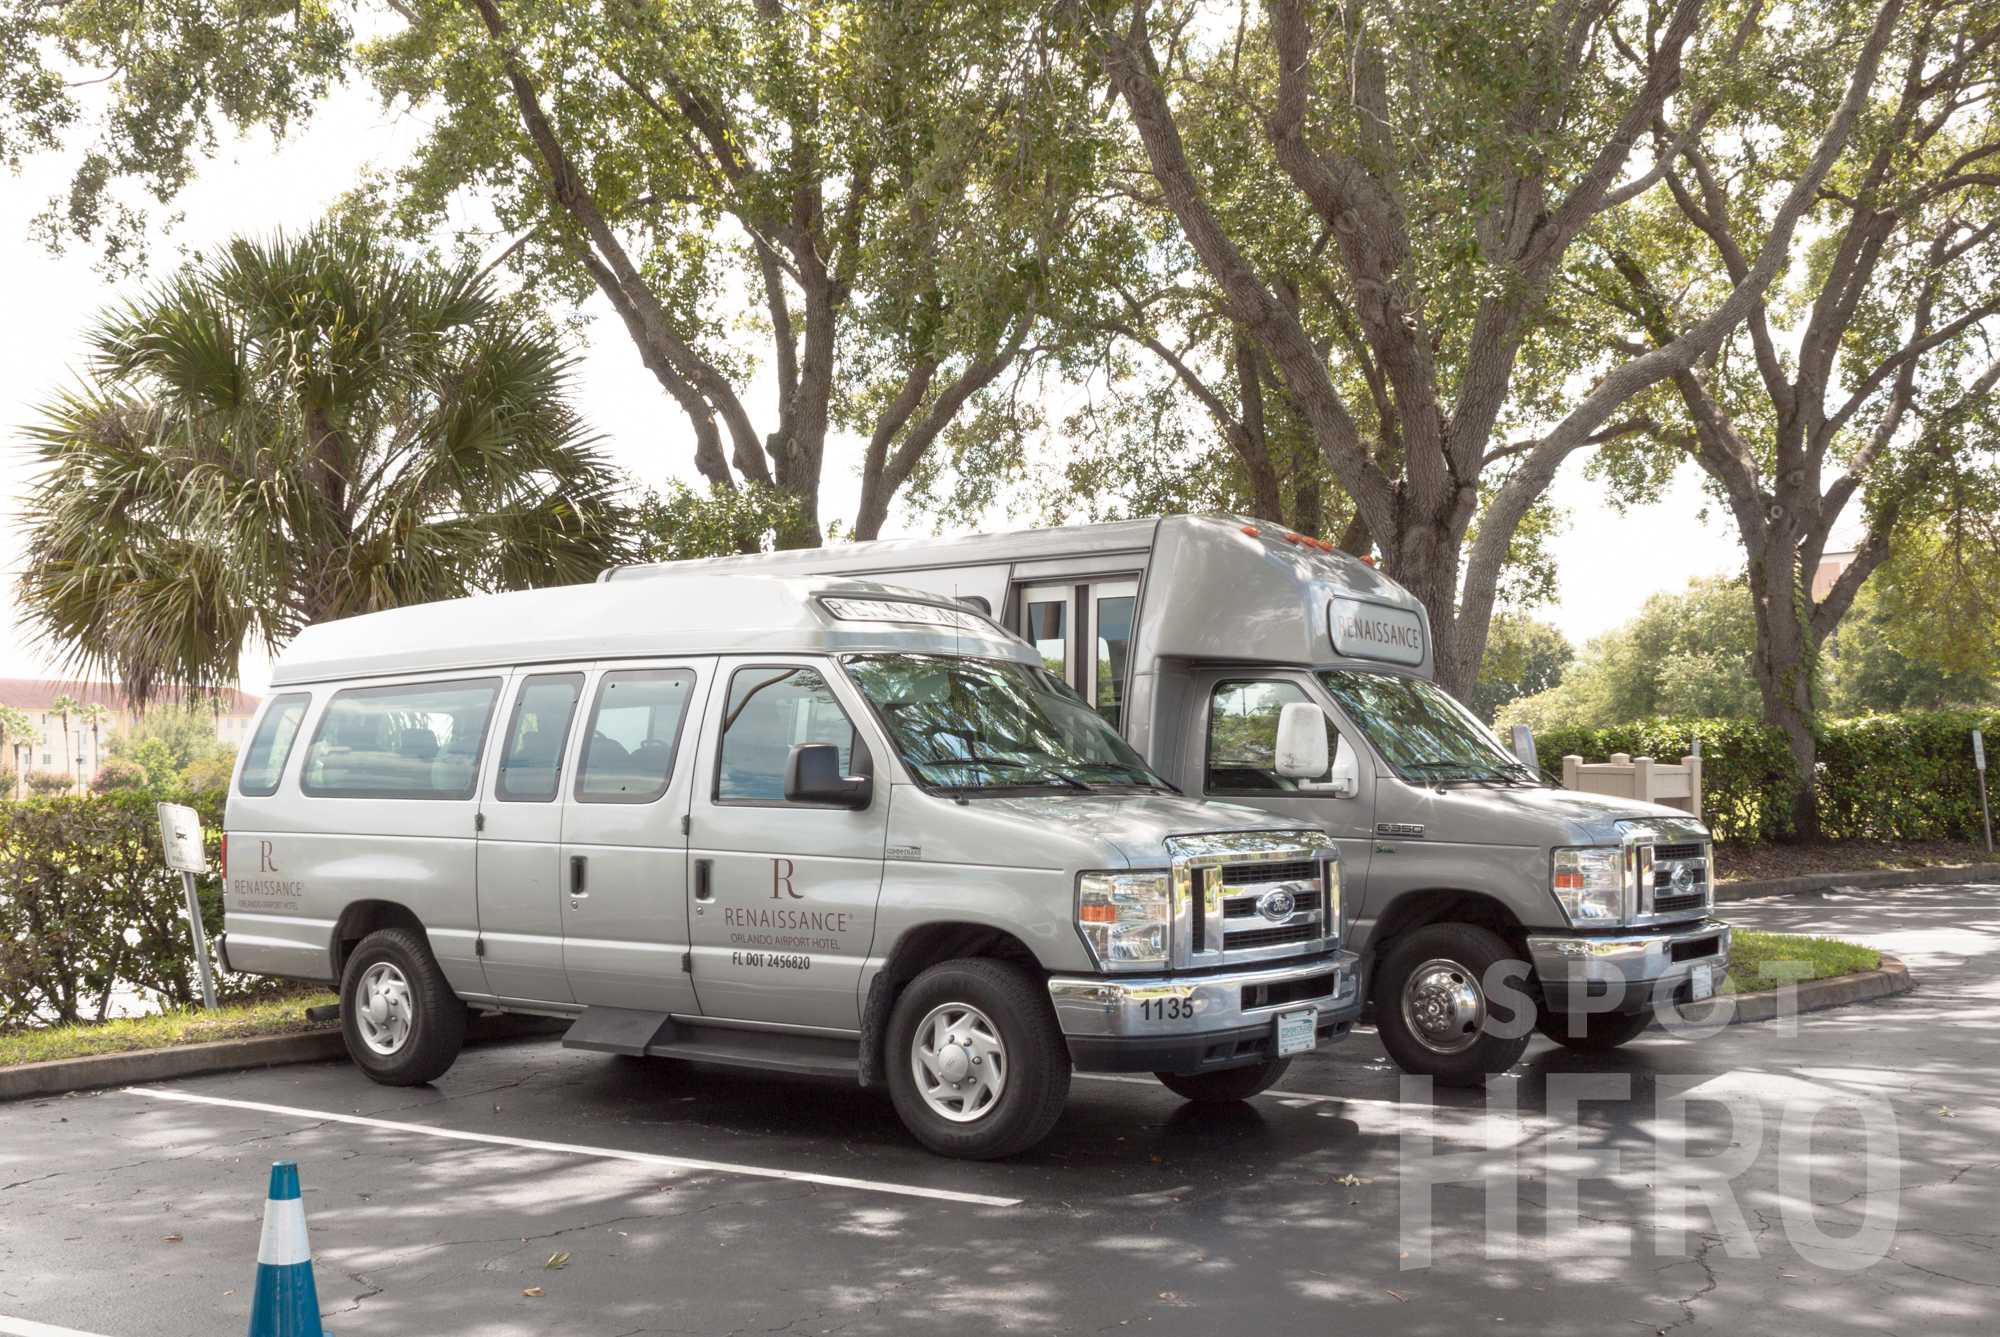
x=1485, y=901
x=814, y=824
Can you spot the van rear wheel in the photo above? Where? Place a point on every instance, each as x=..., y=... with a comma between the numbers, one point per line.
x=976, y=1062
x=1230, y=1084
x=1432, y=1009
x=403, y=1024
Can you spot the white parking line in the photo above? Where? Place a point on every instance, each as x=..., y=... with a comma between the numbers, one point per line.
x=575, y=1149
x=27, y=1327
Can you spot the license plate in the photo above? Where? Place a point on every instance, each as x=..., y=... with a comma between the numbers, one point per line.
x=1701, y=983
x=1297, y=1032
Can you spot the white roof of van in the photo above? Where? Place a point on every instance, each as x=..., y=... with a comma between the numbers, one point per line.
x=692, y=614
x=1025, y=545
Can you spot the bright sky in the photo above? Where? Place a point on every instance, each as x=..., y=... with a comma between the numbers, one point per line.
x=1609, y=562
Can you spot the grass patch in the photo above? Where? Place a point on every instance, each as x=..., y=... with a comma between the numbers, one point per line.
x=1753, y=956
x=272, y=1016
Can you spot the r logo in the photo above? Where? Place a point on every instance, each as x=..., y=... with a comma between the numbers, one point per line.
x=781, y=880
x=265, y=862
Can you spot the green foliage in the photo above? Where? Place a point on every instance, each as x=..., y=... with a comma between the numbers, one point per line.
x=1940, y=603
x=1684, y=654
x=88, y=910
x=1760, y=961
x=1880, y=777
x=1747, y=771
x=118, y=773
x=49, y=782
x=169, y=737
x=679, y=522
x=1902, y=777
x=293, y=431
x=1524, y=657
x=1879, y=662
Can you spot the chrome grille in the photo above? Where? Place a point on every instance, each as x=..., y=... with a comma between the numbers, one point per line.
x=1301, y=870
x=1230, y=892
x=1266, y=937
x=1245, y=907
x=1668, y=861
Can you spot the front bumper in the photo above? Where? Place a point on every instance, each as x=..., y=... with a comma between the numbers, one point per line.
x=1626, y=972
x=1197, y=1023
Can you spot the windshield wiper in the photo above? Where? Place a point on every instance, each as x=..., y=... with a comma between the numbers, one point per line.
x=1047, y=774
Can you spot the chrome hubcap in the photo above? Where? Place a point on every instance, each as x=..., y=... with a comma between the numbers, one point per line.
x=382, y=1008
x=1443, y=1006
x=959, y=1062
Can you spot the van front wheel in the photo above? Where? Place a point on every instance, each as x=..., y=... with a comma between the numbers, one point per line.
x=976, y=1063
x=403, y=1024
x=1433, y=1010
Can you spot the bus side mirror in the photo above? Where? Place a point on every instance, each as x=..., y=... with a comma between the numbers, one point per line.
x=812, y=775
x=1301, y=741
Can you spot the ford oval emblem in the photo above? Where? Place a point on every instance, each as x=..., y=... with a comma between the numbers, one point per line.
x=1684, y=878
x=1277, y=905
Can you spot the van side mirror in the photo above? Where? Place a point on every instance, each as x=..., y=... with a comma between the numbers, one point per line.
x=812, y=775
x=1301, y=741
x=1345, y=782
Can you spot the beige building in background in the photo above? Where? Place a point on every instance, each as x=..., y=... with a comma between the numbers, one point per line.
x=45, y=751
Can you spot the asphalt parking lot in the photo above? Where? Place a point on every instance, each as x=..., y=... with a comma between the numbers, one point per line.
x=1862, y=1150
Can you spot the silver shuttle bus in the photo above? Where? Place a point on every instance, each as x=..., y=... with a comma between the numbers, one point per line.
x=1485, y=901
x=810, y=823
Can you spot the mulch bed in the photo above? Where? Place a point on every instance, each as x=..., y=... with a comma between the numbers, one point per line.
x=1747, y=863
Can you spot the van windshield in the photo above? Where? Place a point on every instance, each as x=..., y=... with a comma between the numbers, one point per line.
x=1421, y=730
x=985, y=724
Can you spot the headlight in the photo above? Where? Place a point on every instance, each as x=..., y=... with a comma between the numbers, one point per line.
x=1590, y=883
x=1125, y=918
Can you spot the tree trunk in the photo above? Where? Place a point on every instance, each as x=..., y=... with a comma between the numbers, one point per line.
x=1783, y=666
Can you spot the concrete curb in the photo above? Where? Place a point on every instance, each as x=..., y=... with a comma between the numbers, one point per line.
x=1881, y=877
x=1891, y=977
x=60, y=1076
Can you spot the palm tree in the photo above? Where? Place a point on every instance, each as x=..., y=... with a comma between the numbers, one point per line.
x=296, y=430
x=95, y=715
x=63, y=705
x=15, y=725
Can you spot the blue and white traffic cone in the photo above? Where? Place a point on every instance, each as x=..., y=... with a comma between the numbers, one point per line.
x=286, y=1303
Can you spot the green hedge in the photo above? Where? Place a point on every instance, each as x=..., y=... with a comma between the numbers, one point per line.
x=88, y=910
x=1880, y=777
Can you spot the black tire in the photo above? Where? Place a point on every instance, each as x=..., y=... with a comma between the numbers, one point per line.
x=1226, y=1086
x=435, y=1029
x=1602, y=1031
x=1459, y=1052
x=1035, y=1075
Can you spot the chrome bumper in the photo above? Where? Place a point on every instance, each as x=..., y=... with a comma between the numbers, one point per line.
x=1633, y=970
x=1183, y=1023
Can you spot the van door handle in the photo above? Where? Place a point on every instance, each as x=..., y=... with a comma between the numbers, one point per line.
x=577, y=866
x=704, y=884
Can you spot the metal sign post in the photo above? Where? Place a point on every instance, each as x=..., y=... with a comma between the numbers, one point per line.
x=180, y=837
x=1979, y=763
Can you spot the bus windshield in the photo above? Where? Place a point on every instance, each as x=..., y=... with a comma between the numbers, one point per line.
x=985, y=724
x=1421, y=730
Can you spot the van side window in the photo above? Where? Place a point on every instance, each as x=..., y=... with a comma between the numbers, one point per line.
x=270, y=747
x=771, y=710
x=1243, y=737
x=414, y=740
x=537, y=734
x=635, y=729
